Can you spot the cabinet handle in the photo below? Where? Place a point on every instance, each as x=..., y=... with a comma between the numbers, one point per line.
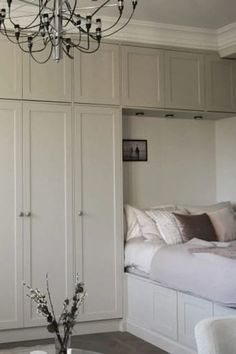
x=21, y=214
x=28, y=215
x=80, y=213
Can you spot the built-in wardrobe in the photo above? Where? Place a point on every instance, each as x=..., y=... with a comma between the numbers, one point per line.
x=60, y=185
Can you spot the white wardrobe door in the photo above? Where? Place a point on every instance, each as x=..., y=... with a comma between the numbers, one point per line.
x=10, y=207
x=48, y=197
x=98, y=198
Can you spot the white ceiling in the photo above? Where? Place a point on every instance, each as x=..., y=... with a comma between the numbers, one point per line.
x=211, y=14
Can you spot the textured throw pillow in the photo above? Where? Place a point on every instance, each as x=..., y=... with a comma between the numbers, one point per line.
x=195, y=226
x=224, y=222
x=166, y=225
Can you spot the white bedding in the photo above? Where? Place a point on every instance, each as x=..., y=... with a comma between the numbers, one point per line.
x=199, y=268
x=139, y=253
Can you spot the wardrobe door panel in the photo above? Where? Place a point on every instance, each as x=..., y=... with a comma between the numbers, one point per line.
x=98, y=209
x=10, y=70
x=185, y=87
x=48, y=197
x=96, y=76
x=47, y=82
x=11, y=274
x=142, y=77
x=221, y=78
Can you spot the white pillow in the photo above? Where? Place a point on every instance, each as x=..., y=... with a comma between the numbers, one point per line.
x=147, y=225
x=133, y=227
x=224, y=222
x=140, y=224
x=166, y=225
x=208, y=208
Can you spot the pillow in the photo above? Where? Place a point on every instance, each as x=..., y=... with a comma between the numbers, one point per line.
x=166, y=225
x=208, y=208
x=195, y=226
x=139, y=224
x=133, y=227
x=224, y=222
x=147, y=225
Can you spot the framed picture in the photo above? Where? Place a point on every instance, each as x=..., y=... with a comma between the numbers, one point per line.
x=135, y=150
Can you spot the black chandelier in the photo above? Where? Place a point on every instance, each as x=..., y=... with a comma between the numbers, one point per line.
x=60, y=26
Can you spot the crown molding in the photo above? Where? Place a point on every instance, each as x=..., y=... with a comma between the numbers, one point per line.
x=227, y=37
x=222, y=40
x=165, y=34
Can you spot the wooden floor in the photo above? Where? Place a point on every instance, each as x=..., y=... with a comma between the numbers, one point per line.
x=105, y=343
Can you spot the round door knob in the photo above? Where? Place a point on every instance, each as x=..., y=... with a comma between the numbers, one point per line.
x=21, y=214
x=28, y=214
x=80, y=213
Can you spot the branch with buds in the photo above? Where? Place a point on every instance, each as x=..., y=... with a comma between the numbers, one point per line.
x=62, y=327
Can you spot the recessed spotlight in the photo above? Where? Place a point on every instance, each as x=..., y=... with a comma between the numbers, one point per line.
x=198, y=117
x=139, y=114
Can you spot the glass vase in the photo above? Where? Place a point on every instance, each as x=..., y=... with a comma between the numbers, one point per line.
x=61, y=348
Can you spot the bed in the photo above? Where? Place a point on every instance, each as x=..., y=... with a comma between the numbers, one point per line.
x=169, y=288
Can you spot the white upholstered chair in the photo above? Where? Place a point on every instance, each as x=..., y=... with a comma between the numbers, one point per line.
x=216, y=336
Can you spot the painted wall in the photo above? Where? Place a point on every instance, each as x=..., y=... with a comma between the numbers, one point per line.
x=181, y=162
x=226, y=159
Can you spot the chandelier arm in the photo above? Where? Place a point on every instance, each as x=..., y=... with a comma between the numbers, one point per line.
x=74, y=44
x=119, y=29
x=100, y=7
x=112, y=26
x=44, y=61
x=68, y=54
x=32, y=22
x=36, y=5
x=38, y=15
x=72, y=13
x=10, y=37
x=86, y=52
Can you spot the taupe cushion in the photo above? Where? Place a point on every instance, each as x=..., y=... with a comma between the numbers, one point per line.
x=195, y=226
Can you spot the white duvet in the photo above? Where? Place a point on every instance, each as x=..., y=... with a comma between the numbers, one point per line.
x=139, y=253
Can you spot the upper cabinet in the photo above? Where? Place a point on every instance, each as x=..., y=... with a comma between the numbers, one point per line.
x=142, y=77
x=184, y=76
x=47, y=82
x=221, y=84
x=10, y=70
x=96, y=76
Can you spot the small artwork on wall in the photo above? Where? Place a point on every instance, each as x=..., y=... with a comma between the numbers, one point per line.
x=134, y=150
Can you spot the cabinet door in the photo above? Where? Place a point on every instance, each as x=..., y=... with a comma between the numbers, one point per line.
x=142, y=77
x=48, y=197
x=184, y=80
x=96, y=76
x=10, y=70
x=221, y=78
x=98, y=210
x=191, y=310
x=47, y=82
x=11, y=274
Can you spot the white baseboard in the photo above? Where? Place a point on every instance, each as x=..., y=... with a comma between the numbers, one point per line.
x=26, y=334
x=156, y=339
